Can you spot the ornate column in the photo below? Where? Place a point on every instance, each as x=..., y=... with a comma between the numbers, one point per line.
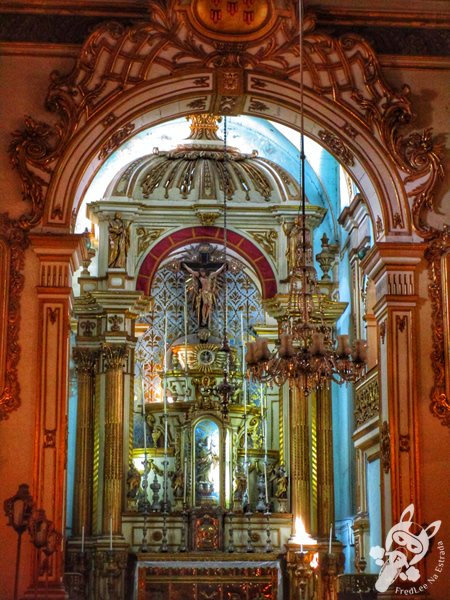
x=59, y=258
x=86, y=360
x=393, y=268
x=299, y=457
x=114, y=357
x=325, y=475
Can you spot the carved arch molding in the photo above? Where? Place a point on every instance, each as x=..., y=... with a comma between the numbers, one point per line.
x=232, y=60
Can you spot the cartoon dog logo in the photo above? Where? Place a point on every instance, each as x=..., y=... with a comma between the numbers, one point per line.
x=406, y=544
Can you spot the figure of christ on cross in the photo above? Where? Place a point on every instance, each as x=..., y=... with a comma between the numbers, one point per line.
x=205, y=290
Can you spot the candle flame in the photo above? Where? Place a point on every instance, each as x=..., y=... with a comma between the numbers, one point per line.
x=301, y=536
x=315, y=561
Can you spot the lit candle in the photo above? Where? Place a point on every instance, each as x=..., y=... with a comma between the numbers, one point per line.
x=331, y=536
x=110, y=533
x=301, y=548
x=82, y=539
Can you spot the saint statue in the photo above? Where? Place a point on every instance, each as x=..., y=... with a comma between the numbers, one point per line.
x=281, y=483
x=119, y=242
x=294, y=233
x=205, y=292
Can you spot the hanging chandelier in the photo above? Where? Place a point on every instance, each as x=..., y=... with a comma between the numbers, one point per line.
x=306, y=356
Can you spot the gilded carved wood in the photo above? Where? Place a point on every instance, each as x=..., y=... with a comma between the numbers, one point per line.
x=437, y=255
x=180, y=38
x=13, y=241
x=175, y=39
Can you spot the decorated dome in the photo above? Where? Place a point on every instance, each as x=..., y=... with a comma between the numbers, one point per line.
x=200, y=168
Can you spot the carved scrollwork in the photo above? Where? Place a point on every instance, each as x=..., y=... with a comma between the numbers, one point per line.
x=367, y=402
x=267, y=239
x=440, y=402
x=172, y=43
x=13, y=242
x=385, y=447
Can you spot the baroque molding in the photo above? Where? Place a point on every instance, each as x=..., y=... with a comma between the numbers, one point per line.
x=440, y=402
x=171, y=43
x=267, y=240
x=16, y=241
x=385, y=447
x=367, y=402
x=337, y=147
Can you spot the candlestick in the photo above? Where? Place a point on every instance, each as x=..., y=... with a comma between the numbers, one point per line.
x=185, y=480
x=265, y=482
x=110, y=533
x=331, y=536
x=143, y=406
x=185, y=344
x=82, y=539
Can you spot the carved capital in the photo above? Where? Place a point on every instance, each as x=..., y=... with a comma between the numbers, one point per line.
x=85, y=360
x=113, y=356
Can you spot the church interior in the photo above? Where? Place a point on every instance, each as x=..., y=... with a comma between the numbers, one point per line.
x=224, y=299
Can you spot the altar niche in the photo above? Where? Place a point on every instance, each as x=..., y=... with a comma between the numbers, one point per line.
x=207, y=463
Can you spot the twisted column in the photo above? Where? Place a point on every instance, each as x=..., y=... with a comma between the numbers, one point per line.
x=85, y=360
x=113, y=359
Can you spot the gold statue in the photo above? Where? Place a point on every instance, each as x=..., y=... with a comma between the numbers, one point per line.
x=205, y=292
x=119, y=242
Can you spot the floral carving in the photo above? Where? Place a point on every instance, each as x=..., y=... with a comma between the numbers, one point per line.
x=385, y=447
x=115, y=140
x=146, y=237
x=440, y=403
x=367, y=402
x=267, y=239
x=337, y=147
x=16, y=241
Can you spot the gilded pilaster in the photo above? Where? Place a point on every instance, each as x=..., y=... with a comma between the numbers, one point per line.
x=299, y=458
x=113, y=360
x=325, y=477
x=86, y=360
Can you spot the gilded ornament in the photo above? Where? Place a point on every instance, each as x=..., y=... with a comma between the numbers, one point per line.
x=401, y=322
x=13, y=242
x=337, y=147
x=367, y=402
x=385, y=447
x=440, y=401
x=267, y=239
x=114, y=356
x=115, y=140
x=382, y=331
x=379, y=226
x=85, y=360
x=146, y=237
